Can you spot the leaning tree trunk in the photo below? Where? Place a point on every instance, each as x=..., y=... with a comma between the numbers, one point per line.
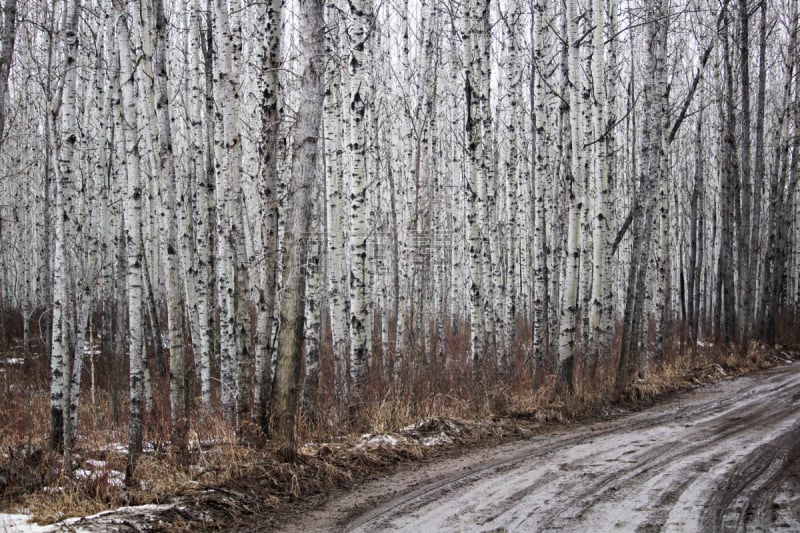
x=644, y=199
x=304, y=175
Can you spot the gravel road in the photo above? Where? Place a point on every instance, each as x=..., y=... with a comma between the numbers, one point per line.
x=724, y=457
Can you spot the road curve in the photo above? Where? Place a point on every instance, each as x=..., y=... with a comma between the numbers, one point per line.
x=715, y=459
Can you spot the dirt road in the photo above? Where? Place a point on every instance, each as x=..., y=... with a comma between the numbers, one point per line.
x=722, y=457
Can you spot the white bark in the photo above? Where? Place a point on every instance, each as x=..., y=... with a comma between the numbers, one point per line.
x=203, y=277
x=575, y=180
x=66, y=107
x=476, y=185
x=360, y=321
x=133, y=238
x=270, y=52
x=228, y=153
x=599, y=327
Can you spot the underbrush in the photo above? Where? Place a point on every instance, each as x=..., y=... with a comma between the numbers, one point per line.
x=438, y=409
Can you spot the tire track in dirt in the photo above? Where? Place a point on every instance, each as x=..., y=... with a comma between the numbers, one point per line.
x=710, y=460
x=644, y=492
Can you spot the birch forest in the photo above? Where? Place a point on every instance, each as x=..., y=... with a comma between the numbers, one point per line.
x=284, y=213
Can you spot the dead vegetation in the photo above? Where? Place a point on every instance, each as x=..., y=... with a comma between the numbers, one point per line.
x=229, y=484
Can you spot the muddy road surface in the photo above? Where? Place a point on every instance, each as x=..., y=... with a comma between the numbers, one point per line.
x=724, y=457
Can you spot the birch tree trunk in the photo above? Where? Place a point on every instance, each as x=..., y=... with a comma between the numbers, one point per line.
x=314, y=270
x=336, y=205
x=541, y=174
x=475, y=186
x=270, y=138
x=599, y=333
x=230, y=274
x=67, y=139
x=203, y=272
x=695, y=233
x=772, y=267
x=575, y=182
x=8, y=34
x=133, y=239
x=169, y=223
x=360, y=17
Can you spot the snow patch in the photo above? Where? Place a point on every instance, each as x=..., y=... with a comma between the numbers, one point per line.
x=412, y=427
x=114, y=478
x=115, y=447
x=13, y=361
x=21, y=523
x=381, y=439
x=436, y=440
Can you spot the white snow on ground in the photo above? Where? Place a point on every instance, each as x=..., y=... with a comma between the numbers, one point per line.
x=373, y=441
x=122, y=449
x=138, y=509
x=115, y=447
x=436, y=440
x=114, y=478
x=13, y=361
x=416, y=425
x=20, y=523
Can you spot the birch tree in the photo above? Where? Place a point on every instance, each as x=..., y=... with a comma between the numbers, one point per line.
x=475, y=182
x=360, y=18
x=270, y=123
x=204, y=215
x=569, y=301
x=65, y=109
x=230, y=271
x=169, y=224
x=542, y=172
x=133, y=236
x=8, y=34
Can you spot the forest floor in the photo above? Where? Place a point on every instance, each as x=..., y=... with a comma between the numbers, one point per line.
x=700, y=450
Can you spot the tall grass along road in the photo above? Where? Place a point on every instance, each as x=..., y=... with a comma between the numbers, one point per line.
x=723, y=457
